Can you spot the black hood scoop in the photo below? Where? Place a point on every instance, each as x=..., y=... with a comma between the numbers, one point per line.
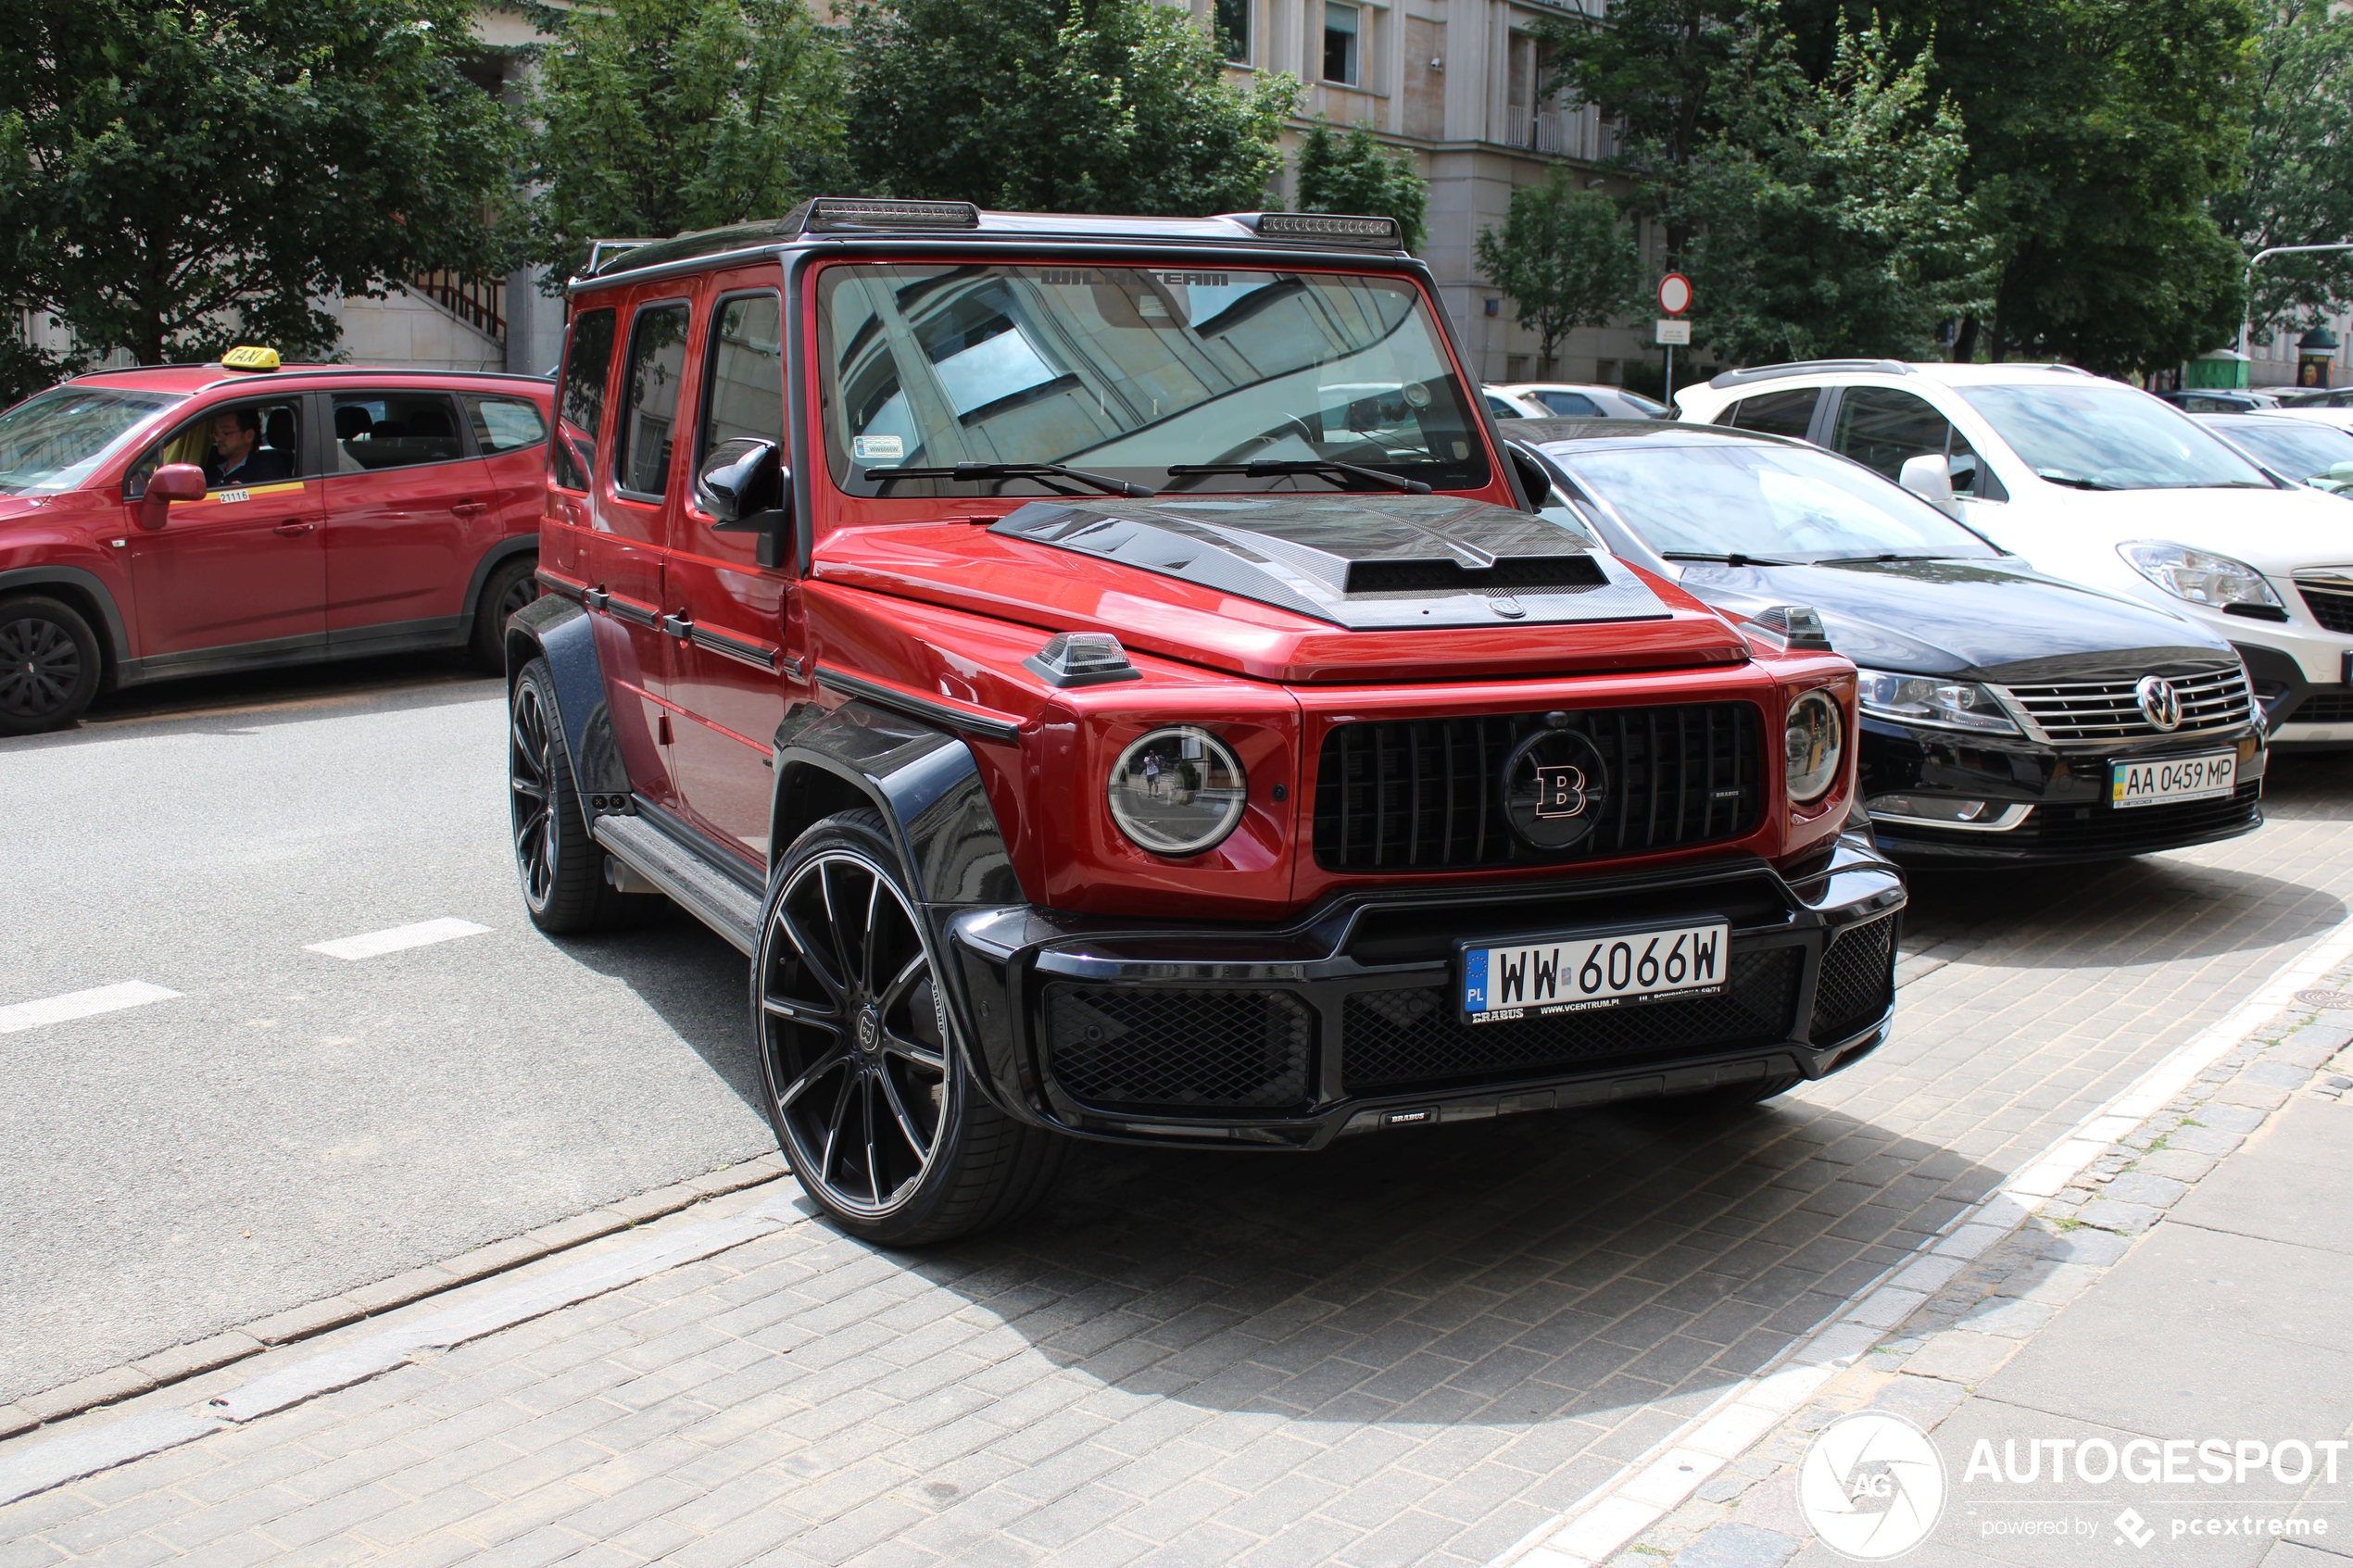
x=1366, y=562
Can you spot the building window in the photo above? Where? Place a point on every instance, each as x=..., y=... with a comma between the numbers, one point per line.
x=1343, y=49
x=1232, y=18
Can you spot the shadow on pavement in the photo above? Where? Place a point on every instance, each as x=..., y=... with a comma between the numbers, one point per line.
x=692, y=980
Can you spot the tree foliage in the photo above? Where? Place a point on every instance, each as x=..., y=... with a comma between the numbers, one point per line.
x=177, y=177
x=1826, y=216
x=1565, y=258
x=1058, y=105
x=656, y=117
x=2299, y=188
x=1351, y=172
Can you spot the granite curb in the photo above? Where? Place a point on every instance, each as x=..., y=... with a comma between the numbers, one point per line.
x=181, y=1362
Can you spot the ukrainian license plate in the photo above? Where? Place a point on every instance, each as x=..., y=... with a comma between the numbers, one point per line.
x=2174, y=778
x=1574, y=973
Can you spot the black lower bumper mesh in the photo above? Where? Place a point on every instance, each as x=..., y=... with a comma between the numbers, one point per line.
x=1857, y=980
x=1412, y=1039
x=1171, y=1050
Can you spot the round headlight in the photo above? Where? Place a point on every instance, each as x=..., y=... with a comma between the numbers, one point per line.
x=1177, y=791
x=1817, y=746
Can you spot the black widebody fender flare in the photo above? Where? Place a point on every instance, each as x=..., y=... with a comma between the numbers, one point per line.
x=560, y=632
x=927, y=784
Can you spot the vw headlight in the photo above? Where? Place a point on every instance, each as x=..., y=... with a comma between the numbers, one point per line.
x=1177, y=791
x=2199, y=576
x=1816, y=744
x=1920, y=699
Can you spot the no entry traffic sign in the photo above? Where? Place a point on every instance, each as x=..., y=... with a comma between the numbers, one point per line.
x=1674, y=293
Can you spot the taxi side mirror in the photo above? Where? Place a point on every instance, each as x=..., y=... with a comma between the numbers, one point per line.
x=173, y=481
x=746, y=488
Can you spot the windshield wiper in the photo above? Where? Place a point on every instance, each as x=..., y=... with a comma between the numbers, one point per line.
x=1735, y=559
x=1102, y=482
x=1274, y=469
x=2073, y=482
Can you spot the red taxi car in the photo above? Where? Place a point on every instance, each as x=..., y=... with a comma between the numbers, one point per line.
x=191, y=519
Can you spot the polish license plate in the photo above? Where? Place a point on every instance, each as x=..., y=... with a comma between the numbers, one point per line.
x=2171, y=779
x=1575, y=973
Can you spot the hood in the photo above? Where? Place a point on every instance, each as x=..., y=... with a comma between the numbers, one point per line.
x=1366, y=562
x=1975, y=620
x=2273, y=531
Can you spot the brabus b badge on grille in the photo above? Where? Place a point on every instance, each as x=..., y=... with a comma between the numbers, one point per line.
x=1554, y=788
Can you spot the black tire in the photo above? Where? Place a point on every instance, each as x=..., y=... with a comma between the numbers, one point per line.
x=511, y=584
x=562, y=869
x=50, y=665
x=868, y=1088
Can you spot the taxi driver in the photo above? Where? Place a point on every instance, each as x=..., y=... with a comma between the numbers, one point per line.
x=238, y=458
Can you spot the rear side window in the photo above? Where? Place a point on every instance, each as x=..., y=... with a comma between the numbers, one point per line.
x=504, y=424
x=649, y=386
x=1569, y=405
x=580, y=403
x=393, y=429
x=1775, y=413
x=747, y=393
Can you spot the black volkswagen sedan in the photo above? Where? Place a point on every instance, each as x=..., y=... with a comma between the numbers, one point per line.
x=2008, y=718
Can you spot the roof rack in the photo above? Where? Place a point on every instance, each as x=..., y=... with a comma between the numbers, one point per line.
x=1807, y=367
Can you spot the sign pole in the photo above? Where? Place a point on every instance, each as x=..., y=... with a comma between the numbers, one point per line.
x=1674, y=298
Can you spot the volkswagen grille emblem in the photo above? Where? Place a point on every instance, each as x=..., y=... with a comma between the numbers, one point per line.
x=1556, y=785
x=2160, y=704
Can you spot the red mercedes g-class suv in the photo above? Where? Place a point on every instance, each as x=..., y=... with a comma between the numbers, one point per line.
x=1110, y=677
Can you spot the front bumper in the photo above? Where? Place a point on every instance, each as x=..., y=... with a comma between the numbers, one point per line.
x=2065, y=788
x=1288, y=1038
x=2305, y=713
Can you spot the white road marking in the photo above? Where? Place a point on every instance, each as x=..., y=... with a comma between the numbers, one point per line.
x=81, y=1004
x=374, y=943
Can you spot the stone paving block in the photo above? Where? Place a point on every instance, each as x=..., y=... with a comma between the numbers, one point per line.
x=1962, y=1358
x=2125, y=1219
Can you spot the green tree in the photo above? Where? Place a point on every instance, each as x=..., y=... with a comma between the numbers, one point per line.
x=1352, y=172
x=656, y=117
x=1826, y=216
x=1565, y=258
x=1058, y=105
x=176, y=176
x=2299, y=188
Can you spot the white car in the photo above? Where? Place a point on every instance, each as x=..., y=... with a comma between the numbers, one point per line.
x=1579, y=400
x=2103, y=484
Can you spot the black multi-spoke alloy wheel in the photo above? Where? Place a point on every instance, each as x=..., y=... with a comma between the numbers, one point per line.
x=511, y=584
x=869, y=1092
x=562, y=869
x=49, y=665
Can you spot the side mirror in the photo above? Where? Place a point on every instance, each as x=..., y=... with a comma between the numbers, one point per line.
x=1928, y=477
x=746, y=488
x=173, y=481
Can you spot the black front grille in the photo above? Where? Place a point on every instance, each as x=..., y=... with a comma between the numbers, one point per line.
x=2102, y=830
x=1427, y=794
x=2332, y=709
x=1174, y=1050
x=1394, y=1040
x=2332, y=608
x=1857, y=982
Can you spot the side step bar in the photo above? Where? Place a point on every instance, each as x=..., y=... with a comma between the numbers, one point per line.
x=706, y=891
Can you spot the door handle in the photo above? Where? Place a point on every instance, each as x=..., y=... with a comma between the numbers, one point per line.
x=293, y=530
x=470, y=509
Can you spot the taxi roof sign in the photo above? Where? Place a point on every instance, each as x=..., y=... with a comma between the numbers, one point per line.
x=247, y=357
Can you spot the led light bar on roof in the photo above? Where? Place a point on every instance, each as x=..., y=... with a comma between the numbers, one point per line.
x=1380, y=232
x=830, y=213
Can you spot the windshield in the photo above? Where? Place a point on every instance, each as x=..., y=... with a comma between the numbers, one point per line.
x=2103, y=436
x=52, y=442
x=1127, y=371
x=1765, y=503
x=2309, y=452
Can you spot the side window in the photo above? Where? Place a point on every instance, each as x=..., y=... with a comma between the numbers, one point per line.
x=393, y=429
x=1569, y=405
x=649, y=386
x=237, y=444
x=746, y=394
x=1775, y=413
x=1883, y=428
x=1501, y=409
x=580, y=402
x=504, y=424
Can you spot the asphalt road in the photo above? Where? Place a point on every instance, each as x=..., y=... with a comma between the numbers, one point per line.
x=291, y=1123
